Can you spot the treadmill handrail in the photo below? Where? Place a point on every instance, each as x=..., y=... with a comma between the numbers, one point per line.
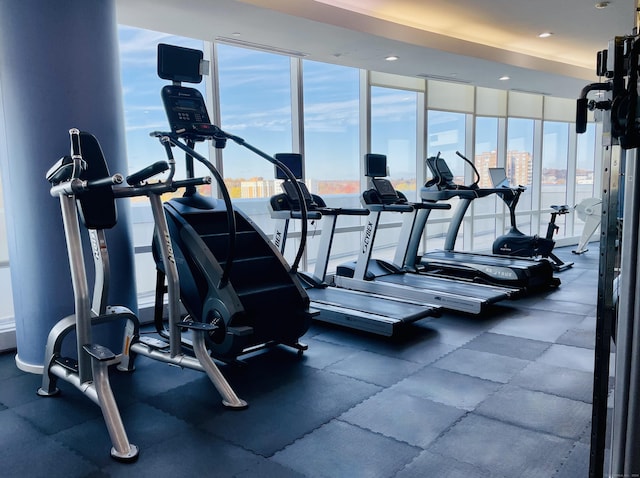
x=390, y=207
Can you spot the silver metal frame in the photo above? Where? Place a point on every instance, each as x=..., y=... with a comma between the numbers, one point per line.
x=91, y=376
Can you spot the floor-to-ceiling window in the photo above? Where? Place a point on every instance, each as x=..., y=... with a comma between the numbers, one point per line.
x=553, y=184
x=331, y=109
x=394, y=115
x=394, y=134
x=486, y=156
x=446, y=134
x=519, y=164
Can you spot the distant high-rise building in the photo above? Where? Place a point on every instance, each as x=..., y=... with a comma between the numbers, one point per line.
x=484, y=161
x=257, y=188
x=519, y=167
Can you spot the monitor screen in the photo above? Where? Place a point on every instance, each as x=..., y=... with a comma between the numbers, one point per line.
x=439, y=168
x=179, y=64
x=499, y=177
x=375, y=165
x=293, y=161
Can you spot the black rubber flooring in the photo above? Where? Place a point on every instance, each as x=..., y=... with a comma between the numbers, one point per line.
x=504, y=395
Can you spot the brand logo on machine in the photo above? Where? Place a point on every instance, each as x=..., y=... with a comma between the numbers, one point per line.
x=368, y=231
x=167, y=240
x=505, y=248
x=95, y=244
x=499, y=272
x=278, y=239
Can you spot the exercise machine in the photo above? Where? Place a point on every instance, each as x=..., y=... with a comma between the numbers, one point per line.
x=515, y=242
x=86, y=189
x=617, y=318
x=349, y=308
x=231, y=275
x=527, y=275
x=86, y=192
x=387, y=278
x=588, y=211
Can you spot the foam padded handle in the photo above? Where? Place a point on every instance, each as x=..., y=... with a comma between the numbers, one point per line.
x=148, y=172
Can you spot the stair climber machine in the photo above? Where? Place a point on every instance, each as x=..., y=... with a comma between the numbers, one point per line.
x=349, y=308
x=231, y=275
x=515, y=242
x=83, y=184
x=526, y=275
x=391, y=278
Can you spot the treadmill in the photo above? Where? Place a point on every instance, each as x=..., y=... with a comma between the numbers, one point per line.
x=390, y=279
x=353, y=309
x=528, y=275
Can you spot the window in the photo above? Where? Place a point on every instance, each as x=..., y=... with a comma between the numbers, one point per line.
x=255, y=104
x=446, y=135
x=331, y=128
x=555, y=149
x=519, y=164
x=331, y=112
x=394, y=133
x=585, y=173
x=484, y=209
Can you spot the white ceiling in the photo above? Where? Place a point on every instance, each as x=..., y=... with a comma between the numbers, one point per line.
x=473, y=41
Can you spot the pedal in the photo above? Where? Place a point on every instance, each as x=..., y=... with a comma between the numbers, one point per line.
x=99, y=352
x=198, y=326
x=240, y=330
x=68, y=363
x=154, y=343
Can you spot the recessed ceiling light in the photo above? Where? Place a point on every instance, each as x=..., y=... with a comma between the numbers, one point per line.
x=545, y=34
x=236, y=34
x=391, y=58
x=504, y=78
x=601, y=5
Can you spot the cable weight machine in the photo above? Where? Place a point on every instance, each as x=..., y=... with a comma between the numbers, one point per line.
x=618, y=316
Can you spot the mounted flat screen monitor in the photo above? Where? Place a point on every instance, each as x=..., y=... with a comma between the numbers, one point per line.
x=178, y=63
x=293, y=161
x=375, y=165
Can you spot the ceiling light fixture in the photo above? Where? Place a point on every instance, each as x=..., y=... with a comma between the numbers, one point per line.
x=392, y=58
x=601, y=5
x=545, y=34
x=504, y=78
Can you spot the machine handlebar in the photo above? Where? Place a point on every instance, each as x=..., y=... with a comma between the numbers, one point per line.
x=77, y=186
x=147, y=172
